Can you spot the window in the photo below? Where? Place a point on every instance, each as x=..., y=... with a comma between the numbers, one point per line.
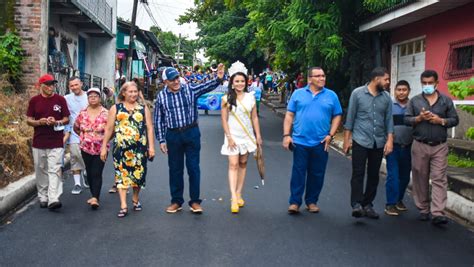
x=411, y=48
x=464, y=58
x=460, y=61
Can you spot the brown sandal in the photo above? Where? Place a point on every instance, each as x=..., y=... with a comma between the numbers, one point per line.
x=94, y=203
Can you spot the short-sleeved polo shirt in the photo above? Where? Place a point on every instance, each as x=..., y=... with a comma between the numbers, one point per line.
x=313, y=115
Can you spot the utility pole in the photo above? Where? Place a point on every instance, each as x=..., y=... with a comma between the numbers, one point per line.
x=130, y=44
x=179, y=49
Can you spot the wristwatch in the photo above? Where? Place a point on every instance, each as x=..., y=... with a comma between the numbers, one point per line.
x=443, y=122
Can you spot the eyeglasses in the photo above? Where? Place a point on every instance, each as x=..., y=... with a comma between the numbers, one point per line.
x=318, y=76
x=93, y=95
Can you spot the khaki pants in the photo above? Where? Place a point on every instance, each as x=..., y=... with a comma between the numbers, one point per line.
x=77, y=163
x=430, y=162
x=48, y=173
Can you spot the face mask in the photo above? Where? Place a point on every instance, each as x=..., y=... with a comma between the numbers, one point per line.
x=428, y=89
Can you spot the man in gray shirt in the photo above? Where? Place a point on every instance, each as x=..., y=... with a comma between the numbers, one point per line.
x=369, y=131
x=431, y=114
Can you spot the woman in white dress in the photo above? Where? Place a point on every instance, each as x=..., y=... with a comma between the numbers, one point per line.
x=242, y=132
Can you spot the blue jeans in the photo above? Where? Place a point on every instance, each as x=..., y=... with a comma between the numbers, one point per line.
x=309, y=167
x=180, y=144
x=398, y=173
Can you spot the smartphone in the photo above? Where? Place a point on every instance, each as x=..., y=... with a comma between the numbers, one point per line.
x=291, y=146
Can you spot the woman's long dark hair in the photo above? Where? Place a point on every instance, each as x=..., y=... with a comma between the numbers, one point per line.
x=231, y=94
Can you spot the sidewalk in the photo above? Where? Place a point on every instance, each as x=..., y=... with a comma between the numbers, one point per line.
x=460, y=180
x=15, y=195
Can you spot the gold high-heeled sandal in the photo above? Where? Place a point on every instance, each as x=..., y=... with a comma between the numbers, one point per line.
x=234, y=207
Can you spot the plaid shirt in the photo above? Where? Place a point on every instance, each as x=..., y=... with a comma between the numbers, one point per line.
x=176, y=110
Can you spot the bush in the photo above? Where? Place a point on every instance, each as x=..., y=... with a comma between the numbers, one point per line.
x=461, y=90
x=11, y=56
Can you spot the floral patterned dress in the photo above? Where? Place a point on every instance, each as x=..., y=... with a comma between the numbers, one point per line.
x=130, y=147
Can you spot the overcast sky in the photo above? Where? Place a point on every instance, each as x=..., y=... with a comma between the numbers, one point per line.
x=165, y=13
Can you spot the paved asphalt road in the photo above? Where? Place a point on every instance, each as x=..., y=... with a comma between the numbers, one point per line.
x=263, y=234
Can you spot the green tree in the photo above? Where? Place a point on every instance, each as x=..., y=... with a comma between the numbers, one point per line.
x=169, y=44
x=291, y=35
x=225, y=32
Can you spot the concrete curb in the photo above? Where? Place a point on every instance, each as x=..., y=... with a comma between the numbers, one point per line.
x=15, y=193
x=460, y=206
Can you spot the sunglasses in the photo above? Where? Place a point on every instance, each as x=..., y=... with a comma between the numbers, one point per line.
x=51, y=83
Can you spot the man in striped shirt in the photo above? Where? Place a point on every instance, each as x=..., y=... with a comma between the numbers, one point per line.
x=176, y=128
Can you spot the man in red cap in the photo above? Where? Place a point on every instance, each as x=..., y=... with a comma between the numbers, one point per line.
x=48, y=113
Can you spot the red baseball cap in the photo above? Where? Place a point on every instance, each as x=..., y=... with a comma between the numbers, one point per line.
x=46, y=78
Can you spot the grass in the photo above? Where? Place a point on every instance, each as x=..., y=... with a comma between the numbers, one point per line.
x=460, y=162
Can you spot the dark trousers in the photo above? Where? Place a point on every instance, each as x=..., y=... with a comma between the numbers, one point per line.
x=309, y=167
x=361, y=158
x=94, y=168
x=398, y=173
x=180, y=145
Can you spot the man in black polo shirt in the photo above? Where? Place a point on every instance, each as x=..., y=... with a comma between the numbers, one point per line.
x=431, y=114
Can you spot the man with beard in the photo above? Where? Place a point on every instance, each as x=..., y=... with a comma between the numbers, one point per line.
x=369, y=131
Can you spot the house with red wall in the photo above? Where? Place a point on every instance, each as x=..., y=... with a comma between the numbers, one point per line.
x=432, y=34
x=428, y=34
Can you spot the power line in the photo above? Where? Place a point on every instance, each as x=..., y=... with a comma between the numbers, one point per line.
x=148, y=10
x=161, y=18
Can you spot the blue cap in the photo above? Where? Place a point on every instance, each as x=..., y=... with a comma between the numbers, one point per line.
x=170, y=74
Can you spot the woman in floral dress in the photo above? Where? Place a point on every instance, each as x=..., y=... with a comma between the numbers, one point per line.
x=132, y=126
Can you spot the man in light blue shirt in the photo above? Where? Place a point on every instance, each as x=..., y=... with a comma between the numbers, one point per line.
x=76, y=101
x=314, y=114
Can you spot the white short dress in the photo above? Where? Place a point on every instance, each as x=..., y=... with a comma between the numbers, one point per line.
x=245, y=144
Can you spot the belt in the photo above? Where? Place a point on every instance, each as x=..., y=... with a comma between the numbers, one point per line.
x=432, y=143
x=184, y=128
x=402, y=146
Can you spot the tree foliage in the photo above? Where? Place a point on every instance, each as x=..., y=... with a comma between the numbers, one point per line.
x=169, y=45
x=289, y=35
x=11, y=56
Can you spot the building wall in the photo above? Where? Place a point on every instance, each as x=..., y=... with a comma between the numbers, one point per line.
x=100, y=59
x=31, y=22
x=100, y=51
x=452, y=25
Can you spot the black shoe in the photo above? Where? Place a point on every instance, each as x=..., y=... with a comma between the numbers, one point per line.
x=55, y=205
x=357, y=211
x=424, y=217
x=438, y=220
x=370, y=212
x=391, y=210
x=43, y=205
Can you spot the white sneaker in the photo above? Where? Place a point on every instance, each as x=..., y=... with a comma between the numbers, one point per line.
x=76, y=190
x=84, y=179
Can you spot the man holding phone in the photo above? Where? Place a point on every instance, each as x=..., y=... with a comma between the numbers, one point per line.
x=314, y=114
x=47, y=112
x=431, y=114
